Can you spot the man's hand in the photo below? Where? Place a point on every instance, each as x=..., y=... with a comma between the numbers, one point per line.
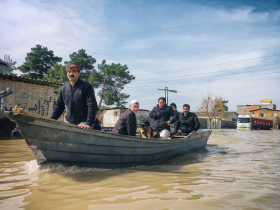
x=85, y=127
x=168, y=123
x=194, y=132
x=149, y=132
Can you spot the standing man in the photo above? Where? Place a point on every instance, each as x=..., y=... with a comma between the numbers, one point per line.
x=188, y=122
x=79, y=98
x=161, y=114
x=126, y=124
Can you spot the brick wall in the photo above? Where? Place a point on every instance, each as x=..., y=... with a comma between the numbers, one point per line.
x=33, y=98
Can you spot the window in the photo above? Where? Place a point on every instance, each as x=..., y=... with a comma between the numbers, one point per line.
x=262, y=115
x=274, y=114
x=115, y=113
x=243, y=120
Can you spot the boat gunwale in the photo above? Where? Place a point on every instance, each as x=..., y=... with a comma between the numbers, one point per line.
x=92, y=132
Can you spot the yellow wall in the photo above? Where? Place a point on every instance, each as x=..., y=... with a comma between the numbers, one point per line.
x=268, y=116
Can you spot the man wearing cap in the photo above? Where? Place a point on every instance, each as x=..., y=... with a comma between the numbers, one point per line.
x=78, y=96
x=147, y=131
x=126, y=124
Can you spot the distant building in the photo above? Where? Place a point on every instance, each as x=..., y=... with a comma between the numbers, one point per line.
x=268, y=114
x=5, y=68
x=227, y=121
x=109, y=116
x=246, y=109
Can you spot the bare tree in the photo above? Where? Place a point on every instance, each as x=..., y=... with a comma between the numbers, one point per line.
x=212, y=107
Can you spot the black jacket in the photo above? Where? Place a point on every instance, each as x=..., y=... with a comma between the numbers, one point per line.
x=96, y=125
x=173, y=126
x=187, y=123
x=80, y=102
x=161, y=116
x=126, y=124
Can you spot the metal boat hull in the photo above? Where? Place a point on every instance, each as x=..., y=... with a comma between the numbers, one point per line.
x=56, y=142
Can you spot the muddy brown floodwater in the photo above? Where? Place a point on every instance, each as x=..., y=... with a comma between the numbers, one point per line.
x=237, y=170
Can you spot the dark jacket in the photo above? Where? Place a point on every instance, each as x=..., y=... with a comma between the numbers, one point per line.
x=187, y=123
x=161, y=116
x=96, y=125
x=155, y=134
x=80, y=102
x=173, y=126
x=126, y=124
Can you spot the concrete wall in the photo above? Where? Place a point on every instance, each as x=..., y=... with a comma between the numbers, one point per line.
x=33, y=98
x=111, y=116
x=221, y=124
x=230, y=116
x=228, y=124
x=203, y=123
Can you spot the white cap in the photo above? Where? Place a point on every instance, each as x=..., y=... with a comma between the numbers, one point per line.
x=134, y=102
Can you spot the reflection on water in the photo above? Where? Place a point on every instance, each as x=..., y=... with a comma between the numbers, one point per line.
x=237, y=170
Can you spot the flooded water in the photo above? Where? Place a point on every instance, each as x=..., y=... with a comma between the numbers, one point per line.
x=237, y=170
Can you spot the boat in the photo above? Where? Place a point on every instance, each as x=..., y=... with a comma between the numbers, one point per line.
x=53, y=141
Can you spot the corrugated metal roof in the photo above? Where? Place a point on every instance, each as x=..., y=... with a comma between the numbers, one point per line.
x=264, y=108
x=29, y=80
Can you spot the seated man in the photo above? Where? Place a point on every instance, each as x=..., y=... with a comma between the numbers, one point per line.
x=126, y=124
x=147, y=131
x=188, y=122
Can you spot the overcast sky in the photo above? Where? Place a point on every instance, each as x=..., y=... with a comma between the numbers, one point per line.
x=228, y=48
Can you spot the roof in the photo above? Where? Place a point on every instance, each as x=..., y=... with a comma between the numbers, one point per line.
x=29, y=80
x=4, y=63
x=112, y=108
x=254, y=104
x=5, y=66
x=266, y=109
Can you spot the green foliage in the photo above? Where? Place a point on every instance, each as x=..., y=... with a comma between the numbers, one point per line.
x=38, y=62
x=225, y=106
x=84, y=62
x=41, y=63
x=112, y=79
x=57, y=74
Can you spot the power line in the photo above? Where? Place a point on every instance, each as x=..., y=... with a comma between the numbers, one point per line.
x=164, y=79
x=230, y=71
x=191, y=81
x=213, y=65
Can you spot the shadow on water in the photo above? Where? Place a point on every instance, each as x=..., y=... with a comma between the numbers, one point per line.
x=174, y=165
x=170, y=166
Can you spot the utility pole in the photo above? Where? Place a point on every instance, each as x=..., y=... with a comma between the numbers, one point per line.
x=166, y=93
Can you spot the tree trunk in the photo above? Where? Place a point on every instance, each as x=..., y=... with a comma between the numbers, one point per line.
x=103, y=89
